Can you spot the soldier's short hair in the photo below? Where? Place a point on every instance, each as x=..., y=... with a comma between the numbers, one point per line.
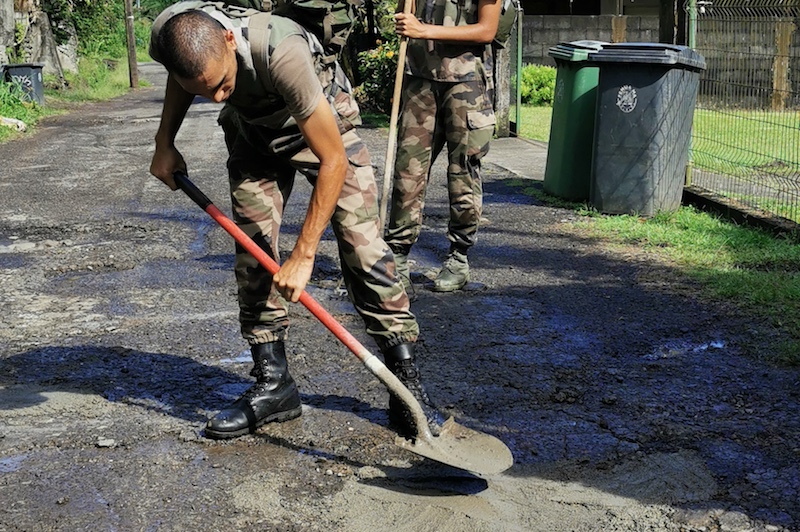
x=188, y=40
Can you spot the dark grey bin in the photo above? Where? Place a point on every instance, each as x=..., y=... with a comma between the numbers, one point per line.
x=28, y=76
x=645, y=104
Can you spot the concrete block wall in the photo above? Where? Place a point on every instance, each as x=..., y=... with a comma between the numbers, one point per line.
x=540, y=32
x=748, y=61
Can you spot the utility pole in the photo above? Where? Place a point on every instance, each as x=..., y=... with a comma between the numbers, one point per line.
x=133, y=67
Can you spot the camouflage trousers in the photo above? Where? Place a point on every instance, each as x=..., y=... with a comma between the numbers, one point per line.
x=260, y=183
x=459, y=115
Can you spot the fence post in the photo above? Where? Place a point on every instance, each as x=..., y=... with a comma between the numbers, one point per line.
x=619, y=28
x=518, y=88
x=692, y=38
x=781, y=86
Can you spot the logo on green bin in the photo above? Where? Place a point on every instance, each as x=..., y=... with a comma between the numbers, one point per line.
x=626, y=99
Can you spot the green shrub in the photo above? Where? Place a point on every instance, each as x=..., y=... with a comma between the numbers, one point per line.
x=377, y=67
x=538, y=85
x=13, y=104
x=97, y=79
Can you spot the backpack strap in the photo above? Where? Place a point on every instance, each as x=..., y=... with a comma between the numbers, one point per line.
x=258, y=32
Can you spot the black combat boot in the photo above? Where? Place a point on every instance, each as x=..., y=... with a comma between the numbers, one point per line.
x=273, y=397
x=400, y=360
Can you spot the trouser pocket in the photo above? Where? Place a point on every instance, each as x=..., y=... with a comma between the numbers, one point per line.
x=481, y=124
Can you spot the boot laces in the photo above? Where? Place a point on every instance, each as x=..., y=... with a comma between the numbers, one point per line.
x=406, y=371
x=454, y=262
x=257, y=390
x=408, y=374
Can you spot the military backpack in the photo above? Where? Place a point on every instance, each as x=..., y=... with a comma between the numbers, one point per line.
x=331, y=21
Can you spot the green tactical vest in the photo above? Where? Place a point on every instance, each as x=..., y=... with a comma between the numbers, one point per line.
x=444, y=61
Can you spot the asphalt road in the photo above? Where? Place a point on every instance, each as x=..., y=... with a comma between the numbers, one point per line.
x=628, y=403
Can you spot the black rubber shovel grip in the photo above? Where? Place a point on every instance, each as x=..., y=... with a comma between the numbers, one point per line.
x=194, y=193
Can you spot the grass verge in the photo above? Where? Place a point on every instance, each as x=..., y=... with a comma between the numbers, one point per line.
x=534, y=121
x=97, y=79
x=752, y=269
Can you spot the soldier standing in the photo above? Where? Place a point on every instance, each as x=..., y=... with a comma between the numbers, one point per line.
x=446, y=100
x=287, y=110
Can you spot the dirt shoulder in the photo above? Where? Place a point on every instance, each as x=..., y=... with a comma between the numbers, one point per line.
x=628, y=403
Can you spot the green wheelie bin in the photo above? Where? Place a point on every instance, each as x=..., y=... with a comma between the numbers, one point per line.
x=569, y=152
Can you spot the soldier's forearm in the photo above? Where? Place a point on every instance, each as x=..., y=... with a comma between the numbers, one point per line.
x=176, y=103
x=320, y=208
x=323, y=138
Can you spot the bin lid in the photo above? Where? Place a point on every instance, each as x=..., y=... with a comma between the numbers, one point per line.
x=11, y=66
x=575, y=50
x=651, y=53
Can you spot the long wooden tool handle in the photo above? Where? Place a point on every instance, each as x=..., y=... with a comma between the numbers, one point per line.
x=388, y=169
x=372, y=362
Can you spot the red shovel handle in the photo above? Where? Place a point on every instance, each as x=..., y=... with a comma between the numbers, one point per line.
x=372, y=362
x=454, y=445
x=185, y=184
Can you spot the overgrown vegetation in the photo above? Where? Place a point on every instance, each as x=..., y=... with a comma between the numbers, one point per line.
x=377, y=67
x=97, y=79
x=100, y=26
x=14, y=105
x=102, y=49
x=13, y=51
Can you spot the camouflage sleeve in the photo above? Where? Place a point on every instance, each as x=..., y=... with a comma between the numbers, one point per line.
x=294, y=76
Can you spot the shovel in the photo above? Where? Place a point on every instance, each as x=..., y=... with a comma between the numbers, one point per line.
x=455, y=445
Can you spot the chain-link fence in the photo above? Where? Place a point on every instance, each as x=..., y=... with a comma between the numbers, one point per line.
x=746, y=136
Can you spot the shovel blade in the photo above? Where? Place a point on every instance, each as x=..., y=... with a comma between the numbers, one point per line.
x=463, y=448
